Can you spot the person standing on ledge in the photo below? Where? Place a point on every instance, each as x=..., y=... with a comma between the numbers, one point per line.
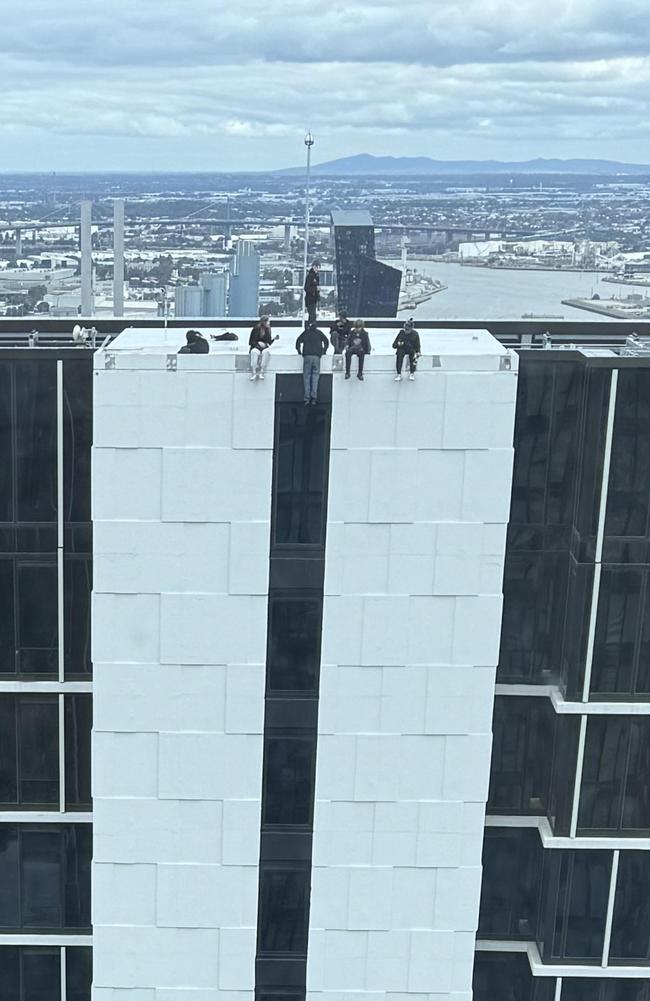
x=359, y=345
x=312, y=344
x=407, y=344
x=312, y=291
x=259, y=343
x=340, y=332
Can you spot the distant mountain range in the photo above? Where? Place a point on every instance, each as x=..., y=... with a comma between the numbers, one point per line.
x=365, y=163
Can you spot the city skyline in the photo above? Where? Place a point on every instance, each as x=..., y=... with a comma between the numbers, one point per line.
x=235, y=89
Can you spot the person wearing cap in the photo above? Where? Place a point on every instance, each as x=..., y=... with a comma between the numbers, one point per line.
x=312, y=291
x=196, y=344
x=312, y=344
x=340, y=332
x=359, y=345
x=259, y=343
x=407, y=345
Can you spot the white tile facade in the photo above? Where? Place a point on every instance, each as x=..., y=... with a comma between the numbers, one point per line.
x=420, y=481
x=182, y=495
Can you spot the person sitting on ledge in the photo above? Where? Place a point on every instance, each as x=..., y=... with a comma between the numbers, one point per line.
x=339, y=332
x=196, y=344
x=259, y=343
x=359, y=345
x=407, y=344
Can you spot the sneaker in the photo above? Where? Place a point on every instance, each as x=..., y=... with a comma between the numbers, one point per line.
x=398, y=378
x=261, y=375
x=347, y=375
x=360, y=378
x=306, y=403
x=313, y=402
x=411, y=377
x=253, y=377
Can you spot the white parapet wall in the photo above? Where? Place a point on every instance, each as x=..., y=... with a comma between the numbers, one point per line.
x=420, y=481
x=419, y=492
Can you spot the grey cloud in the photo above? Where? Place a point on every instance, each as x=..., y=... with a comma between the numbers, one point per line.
x=510, y=71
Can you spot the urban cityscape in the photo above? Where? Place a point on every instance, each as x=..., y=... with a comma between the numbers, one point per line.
x=232, y=245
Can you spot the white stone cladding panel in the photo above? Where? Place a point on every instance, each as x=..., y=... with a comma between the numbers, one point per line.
x=419, y=496
x=182, y=492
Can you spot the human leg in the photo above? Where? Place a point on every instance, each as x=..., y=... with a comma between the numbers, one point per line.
x=306, y=376
x=348, y=362
x=315, y=375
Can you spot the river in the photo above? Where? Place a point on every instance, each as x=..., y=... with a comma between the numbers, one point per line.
x=495, y=294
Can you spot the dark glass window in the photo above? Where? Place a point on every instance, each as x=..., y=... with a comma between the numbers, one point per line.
x=615, y=792
x=29, y=974
x=36, y=432
x=288, y=779
x=592, y=453
x=77, y=591
x=578, y=989
x=77, y=438
x=7, y=617
x=284, y=903
x=6, y=443
x=294, y=644
x=565, y=755
x=506, y=976
x=300, y=474
x=532, y=430
x=629, y=476
x=509, y=907
x=37, y=625
x=617, y=632
x=78, y=728
x=45, y=877
x=631, y=924
x=29, y=753
x=576, y=628
x=534, y=609
x=522, y=752
x=79, y=973
x=38, y=748
x=575, y=890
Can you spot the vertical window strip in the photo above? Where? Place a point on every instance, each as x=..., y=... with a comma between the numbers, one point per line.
x=281, y=971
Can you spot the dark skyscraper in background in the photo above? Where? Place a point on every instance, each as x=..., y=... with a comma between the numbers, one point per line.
x=365, y=286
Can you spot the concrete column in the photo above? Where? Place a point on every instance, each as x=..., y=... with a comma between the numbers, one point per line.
x=287, y=238
x=86, y=260
x=118, y=257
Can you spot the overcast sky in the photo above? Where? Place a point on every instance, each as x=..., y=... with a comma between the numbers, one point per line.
x=216, y=85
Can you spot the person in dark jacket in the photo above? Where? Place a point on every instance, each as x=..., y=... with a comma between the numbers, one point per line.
x=339, y=332
x=259, y=343
x=407, y=345
x=359, y=345
x=312, y=344
x=196, y=344
x=312, y=291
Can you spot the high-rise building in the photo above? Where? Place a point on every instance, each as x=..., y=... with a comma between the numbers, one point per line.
x=244, y=292
x=45, y=674
x=207, y=299
x=365, y=287
x=329, y=759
